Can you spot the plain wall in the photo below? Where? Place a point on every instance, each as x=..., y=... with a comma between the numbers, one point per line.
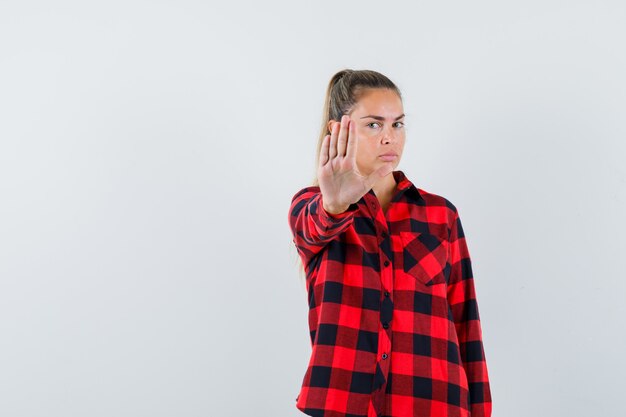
x=149, y=152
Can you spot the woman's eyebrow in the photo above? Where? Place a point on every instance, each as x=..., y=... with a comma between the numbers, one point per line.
x=380, y=117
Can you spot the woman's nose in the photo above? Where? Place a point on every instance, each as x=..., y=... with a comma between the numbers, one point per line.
x=389, y=134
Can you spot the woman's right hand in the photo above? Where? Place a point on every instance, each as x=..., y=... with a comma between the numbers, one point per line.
x=340, y=181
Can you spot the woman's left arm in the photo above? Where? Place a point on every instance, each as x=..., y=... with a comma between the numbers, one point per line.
x=464, y=306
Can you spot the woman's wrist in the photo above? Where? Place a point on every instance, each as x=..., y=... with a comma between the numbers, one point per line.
x=330, y=209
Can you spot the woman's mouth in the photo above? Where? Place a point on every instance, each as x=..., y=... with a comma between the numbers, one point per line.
x=388, y=157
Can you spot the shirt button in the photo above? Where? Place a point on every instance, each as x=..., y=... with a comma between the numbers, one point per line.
x=385, y=325
x=386, y=263
x=384, y=235
x=386, y=293
x=384, y=356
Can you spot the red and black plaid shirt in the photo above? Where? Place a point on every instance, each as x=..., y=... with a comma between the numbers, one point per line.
x=393, y=316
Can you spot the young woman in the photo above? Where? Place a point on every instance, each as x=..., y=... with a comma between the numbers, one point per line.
x=393, y=316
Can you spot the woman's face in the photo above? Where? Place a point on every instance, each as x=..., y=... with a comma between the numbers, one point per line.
x=378, y=119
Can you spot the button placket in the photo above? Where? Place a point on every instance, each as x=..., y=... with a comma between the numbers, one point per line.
x=386, y=270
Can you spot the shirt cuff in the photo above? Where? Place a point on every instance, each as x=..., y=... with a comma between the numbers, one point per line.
x=331, y=219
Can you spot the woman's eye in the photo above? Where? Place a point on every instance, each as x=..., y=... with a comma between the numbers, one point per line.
x=376, y=125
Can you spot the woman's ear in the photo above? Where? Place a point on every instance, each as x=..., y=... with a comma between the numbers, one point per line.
x=331, y=122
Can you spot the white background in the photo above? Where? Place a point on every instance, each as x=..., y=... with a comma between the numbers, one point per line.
x=149, y=152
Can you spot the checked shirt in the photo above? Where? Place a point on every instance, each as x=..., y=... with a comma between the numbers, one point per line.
x=393, y=316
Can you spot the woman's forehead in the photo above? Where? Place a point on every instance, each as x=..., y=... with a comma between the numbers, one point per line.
x=380, y=102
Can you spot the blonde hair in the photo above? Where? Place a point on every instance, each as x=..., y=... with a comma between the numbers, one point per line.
x=344, y=90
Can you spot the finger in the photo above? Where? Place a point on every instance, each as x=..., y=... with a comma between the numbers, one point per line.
x=343, y=133
x=351, y=144
x=332, y=151
x=324, y=151
x=343, y=139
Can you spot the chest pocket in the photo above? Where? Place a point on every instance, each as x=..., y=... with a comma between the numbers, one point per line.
x=425, y=257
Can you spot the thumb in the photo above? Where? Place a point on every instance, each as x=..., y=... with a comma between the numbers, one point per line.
x=378, y=174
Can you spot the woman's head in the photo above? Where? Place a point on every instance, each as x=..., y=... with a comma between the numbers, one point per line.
x=374, y=104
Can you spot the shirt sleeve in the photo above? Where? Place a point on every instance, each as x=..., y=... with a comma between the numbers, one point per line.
x=313, y=227
x=462, y=300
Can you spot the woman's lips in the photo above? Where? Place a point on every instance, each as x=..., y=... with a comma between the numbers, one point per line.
x=388, y=157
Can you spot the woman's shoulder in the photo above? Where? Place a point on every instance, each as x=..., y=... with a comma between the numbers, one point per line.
x=422, y=196
x=434, y=199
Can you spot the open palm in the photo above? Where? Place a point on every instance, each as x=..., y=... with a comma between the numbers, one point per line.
x=340, y=182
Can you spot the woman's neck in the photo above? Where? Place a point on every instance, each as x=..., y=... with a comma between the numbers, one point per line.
x=385, y=187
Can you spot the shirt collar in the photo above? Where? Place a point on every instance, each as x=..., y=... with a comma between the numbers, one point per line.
x=404, y=184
